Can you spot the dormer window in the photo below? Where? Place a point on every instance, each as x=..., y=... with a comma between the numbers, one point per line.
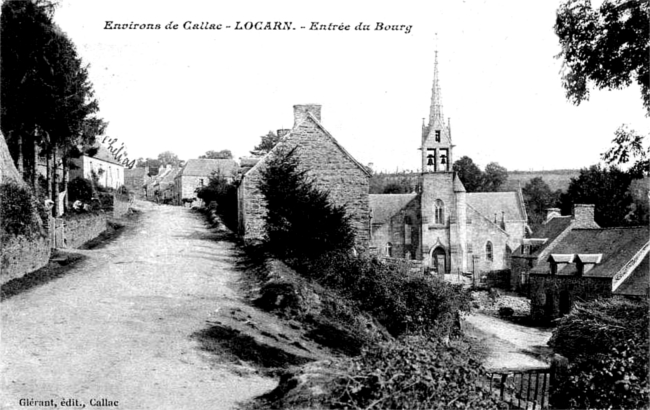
x=559, y=262
x=586, y=262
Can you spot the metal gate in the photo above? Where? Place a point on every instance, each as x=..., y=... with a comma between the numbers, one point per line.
x=523, y=389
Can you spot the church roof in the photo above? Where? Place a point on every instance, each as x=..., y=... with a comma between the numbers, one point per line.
x=385, y=206
x=490, y=203
x=617, y=246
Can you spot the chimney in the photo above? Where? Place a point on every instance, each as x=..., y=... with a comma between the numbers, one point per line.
x=583, y=216
x=552, y=213
x=300, y=112
x=281, y=133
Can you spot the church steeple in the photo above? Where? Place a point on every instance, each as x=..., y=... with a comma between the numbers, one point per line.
x=435, y=114
x=436, y=136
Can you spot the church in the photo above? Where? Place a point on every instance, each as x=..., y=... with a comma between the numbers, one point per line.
x=448, y=229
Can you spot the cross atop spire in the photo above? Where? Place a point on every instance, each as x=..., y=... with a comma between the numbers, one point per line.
x=436, y=100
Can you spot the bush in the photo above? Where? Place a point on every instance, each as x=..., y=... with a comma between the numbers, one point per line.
x=80, y=189
x=222, y=195
x=17, y=210
x=300, y=220
x=606, y=343
x=399, y=302
x=416, y=373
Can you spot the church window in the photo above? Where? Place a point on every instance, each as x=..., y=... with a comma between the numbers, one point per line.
x=407, y=230
x=488, y=251
x=437, y=135
x=389, y=249
x=443, y=159
x=430, y=160
x=439, y=212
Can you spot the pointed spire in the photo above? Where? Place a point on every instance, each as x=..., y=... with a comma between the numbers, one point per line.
x=436, y=100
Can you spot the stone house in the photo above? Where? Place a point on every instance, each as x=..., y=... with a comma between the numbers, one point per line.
x=589, y=263
x=445, y=227
x=109, y=171
x=537, y=247
x=136, y=180
x=332, y=168
x=195, y=174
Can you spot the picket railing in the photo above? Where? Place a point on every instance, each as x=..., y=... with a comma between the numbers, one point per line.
x=524, y=389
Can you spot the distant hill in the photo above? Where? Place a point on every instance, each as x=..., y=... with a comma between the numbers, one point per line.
x=556, y=179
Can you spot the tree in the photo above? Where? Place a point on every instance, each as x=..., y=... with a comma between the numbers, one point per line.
x=300, y=221
x=628, y=145
x=605, y=48
x=266, y=145
x=470, y=175
x=607, y=189
x=495, y=175
x=223, y=194
x=538, y=197
x=168, y=158
x=223, y=154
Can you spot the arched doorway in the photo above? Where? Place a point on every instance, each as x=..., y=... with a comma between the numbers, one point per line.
x=439, y=260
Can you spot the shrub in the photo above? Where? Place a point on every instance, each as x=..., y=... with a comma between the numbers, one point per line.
x=223, y=195
x=17, y=210
x=415, y=373
x=399, y=302
x=300, y=219
x=606, y=343
x=80, y=189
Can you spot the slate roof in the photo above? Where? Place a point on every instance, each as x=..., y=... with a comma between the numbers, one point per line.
x=168, y=180
x=549, y=231
x=384, y=206
x=617, y=246
x=638, y=283
x=102, y=154
x=490, y=203
x=205, y=167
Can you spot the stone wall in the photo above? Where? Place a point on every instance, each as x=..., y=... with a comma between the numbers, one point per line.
x=82, y=228
x=331, y=168
x=21, y=255
x=551, y=296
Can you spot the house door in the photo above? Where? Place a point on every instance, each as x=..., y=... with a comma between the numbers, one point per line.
x=439, y=260
x=549, y=307
x=565, y=302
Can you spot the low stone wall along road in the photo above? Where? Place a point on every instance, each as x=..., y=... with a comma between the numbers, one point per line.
x=116, y=331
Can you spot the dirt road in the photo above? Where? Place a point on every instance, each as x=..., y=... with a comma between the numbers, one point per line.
x=510, y=345
x=118, y=327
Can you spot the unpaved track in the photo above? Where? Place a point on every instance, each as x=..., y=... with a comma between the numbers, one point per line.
x=119, y=325
x=510, y=345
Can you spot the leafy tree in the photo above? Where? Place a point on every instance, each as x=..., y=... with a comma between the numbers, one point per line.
x=628, y=145
x=469, y=173
x=266, y=144
x=495, y=175
x=168, y=158
x=223, y=154
x=300, y=220
x=607, y=189
x=605, y=48
x=538, y=197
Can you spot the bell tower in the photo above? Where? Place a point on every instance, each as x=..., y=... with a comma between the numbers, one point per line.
x=436, y=136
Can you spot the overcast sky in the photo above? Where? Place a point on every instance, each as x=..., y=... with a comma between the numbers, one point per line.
x=189, y=91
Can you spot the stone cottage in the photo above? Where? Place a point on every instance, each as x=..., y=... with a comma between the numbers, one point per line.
x=587, y=264
x=445, y=227
x=333, y=169
x=99, y=161
x=195, y=174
